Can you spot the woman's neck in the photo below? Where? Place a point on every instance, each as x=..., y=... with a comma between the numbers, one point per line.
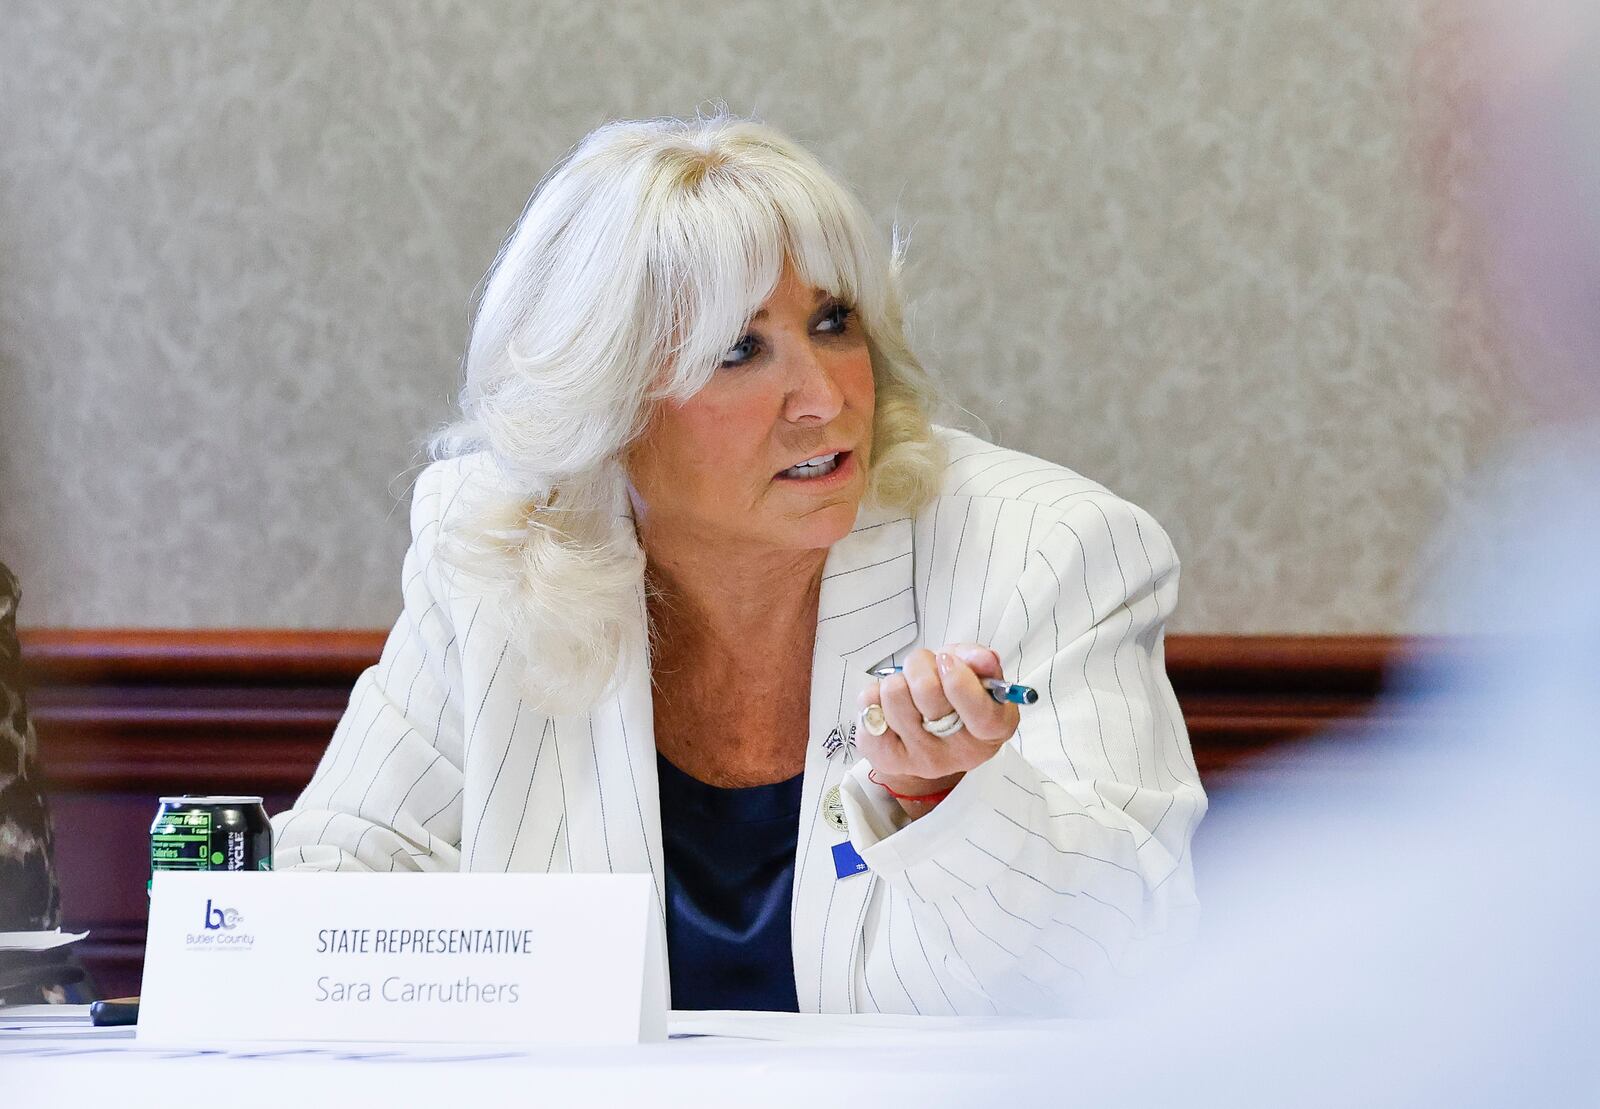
x=720, y=603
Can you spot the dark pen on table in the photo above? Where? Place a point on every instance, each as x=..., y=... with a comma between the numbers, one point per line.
x=1004, y=692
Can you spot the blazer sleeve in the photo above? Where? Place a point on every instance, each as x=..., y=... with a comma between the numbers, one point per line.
x=387, y=792
x=1061, y=865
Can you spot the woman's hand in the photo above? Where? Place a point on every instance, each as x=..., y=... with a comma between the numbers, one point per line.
x=907, y=758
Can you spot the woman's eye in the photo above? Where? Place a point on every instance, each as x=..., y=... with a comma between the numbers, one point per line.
x=835, y=321
x=840, y=313
x=749, y=341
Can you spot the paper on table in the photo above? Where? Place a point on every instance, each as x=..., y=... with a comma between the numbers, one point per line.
x=10, y=1032
x=38, y=941
x=44, y=1014
x=22, y=1022
x=881, y=1028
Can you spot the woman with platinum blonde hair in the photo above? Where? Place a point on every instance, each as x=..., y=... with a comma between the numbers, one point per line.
x=697, y=590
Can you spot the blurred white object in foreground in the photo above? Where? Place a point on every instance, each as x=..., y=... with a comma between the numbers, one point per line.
x=1410, y=917
x=1407, y=917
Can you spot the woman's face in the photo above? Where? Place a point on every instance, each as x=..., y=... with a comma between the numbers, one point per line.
x=796, y=387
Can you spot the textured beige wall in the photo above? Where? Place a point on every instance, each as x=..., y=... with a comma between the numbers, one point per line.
x=1182, y=248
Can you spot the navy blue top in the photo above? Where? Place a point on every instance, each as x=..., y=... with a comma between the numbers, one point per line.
x=730, y=873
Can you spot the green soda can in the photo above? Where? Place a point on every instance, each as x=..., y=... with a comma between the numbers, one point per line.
x=210, y=833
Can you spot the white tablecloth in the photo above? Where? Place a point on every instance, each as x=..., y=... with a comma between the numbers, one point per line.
x=711, y=1059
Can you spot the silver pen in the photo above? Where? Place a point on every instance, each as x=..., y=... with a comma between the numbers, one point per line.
x=1004, y=692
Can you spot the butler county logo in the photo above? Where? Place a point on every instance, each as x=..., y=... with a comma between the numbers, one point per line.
x=219, y=930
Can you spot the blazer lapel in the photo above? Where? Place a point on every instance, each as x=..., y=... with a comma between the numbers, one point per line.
x=607, y=757
x=867, y=612
x=608, y=766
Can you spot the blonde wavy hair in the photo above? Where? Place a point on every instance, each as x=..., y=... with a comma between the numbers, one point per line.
x=638, y=262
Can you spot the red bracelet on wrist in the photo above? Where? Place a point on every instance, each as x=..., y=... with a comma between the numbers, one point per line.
x=926, y=798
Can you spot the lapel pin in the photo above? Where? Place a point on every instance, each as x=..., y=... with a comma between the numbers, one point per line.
x=834, y=741
x=833, y=810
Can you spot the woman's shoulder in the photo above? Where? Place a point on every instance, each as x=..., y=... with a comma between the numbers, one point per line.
x=979, y=468
x=448, y=490
x=444, y=497
x=1024, y=490
x=996, y=499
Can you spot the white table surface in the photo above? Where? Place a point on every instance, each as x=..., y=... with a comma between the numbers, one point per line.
x=711, y=1059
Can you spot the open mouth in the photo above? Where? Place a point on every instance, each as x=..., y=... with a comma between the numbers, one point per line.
x=813, y=468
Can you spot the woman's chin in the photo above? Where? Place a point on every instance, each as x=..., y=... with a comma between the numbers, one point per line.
x=822, y=527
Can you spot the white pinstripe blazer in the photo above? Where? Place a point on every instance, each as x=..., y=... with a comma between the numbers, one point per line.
x=1058, y=865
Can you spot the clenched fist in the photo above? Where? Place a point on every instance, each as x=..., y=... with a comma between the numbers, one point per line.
x=908, y=759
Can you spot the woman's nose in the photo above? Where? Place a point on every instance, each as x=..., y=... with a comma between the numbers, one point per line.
x=813, y=392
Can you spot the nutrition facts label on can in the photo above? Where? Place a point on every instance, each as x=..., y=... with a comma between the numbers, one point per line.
x=183, y=842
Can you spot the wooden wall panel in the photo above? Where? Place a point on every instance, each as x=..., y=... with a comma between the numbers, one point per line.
x=126, y=716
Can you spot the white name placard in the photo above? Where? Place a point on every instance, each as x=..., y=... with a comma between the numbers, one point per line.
x=478, y=958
